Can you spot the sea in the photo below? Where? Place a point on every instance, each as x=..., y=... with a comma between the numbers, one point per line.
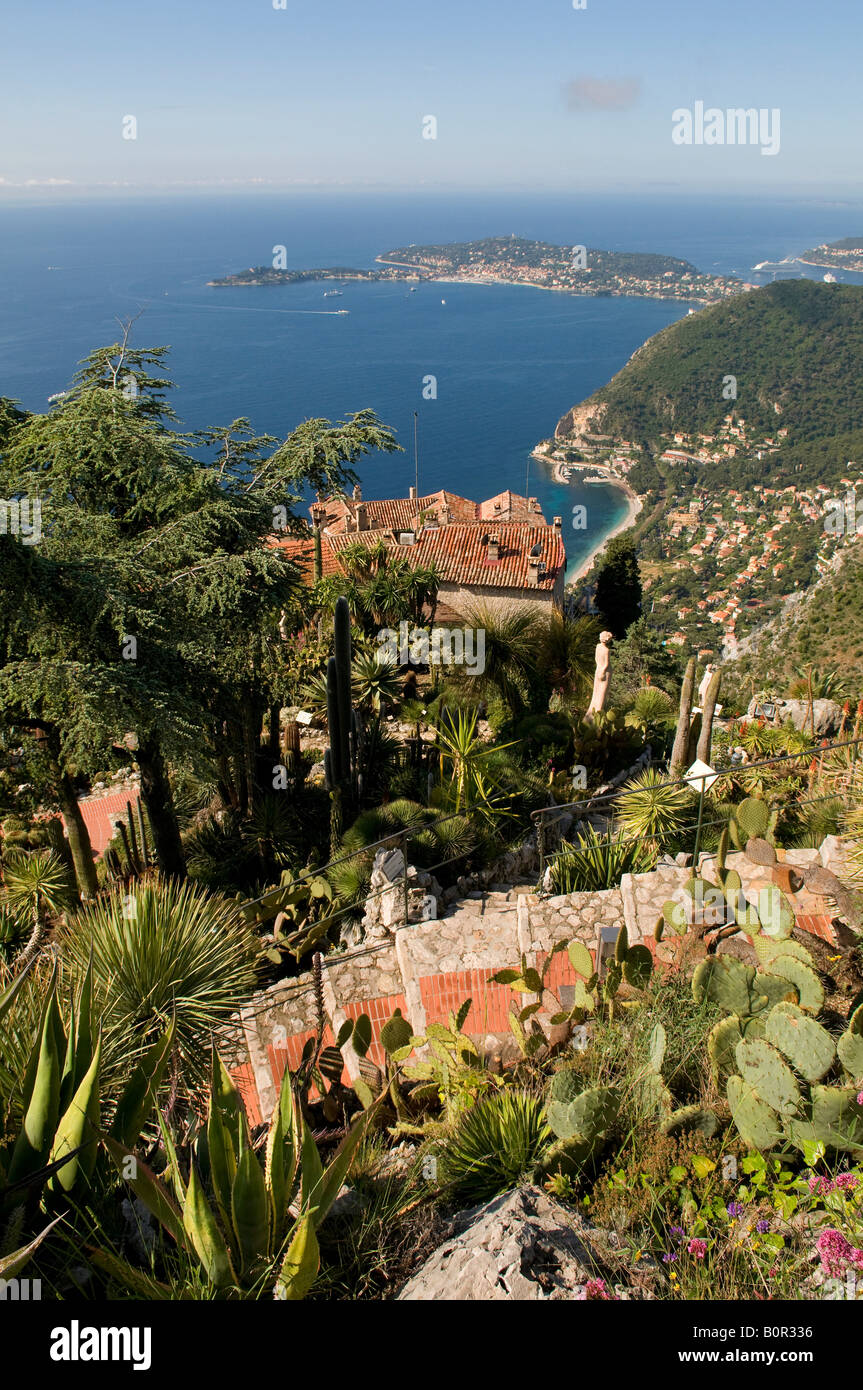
x=488, y=369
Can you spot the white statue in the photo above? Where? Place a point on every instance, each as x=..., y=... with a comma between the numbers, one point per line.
x=705, y=681
x=602, y=657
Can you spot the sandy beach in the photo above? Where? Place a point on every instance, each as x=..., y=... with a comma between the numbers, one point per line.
x=634, y=505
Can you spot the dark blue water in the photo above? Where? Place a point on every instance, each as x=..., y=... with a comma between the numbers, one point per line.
x=509, y=361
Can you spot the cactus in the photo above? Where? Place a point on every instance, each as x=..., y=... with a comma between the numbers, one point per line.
x=722, y=854
x=688, y=1118
x=656, y=1045
x=396, y=1034
x=681, y=738
x=756, y=1122
x=723, y=1039
x=565, y=1086
x=706, y=737
x=726, y=981
x=805, y=981
x=850, y=1049
x=808, y=1047
x=752, y=817
x=772, y=1079
x=590, y=1115
x=567, y=1155
x=767, y=948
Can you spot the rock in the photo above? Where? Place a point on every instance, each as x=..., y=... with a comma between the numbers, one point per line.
x=520, y=1247
x=786, y=878
x=803, y=858
x=758, y=851
x=827, y=714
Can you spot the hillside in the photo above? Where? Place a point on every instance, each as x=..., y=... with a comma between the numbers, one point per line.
x=821, y=625
x=794, y=348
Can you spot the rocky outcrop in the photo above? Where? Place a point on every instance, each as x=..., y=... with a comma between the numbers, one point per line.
x=524, y=1247
x=827, y=715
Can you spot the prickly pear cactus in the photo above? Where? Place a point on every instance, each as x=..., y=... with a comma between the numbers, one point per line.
x=850, y=1049
x=565, y=1086
x=637, y=966
x=688, y=1119
x=757, y=1124
x=727, y=982
x=656, y=1045
x=808, y=1047
x=591, y=1114
x=723, y=1039
x=767, y=947
x=396, y=1033
x=567, y=1155
x=805, y=981
x=763, y=1069
x=753, y=818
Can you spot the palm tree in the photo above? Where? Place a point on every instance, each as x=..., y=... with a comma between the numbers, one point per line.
x=566, y=652
x=512, y=640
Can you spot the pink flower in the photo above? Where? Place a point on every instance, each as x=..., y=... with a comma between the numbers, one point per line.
x=847, y=1182
x=820, y=1185
x=595, y=1289
x=837, y=1253
x=698, y=1248
x=860, y=1097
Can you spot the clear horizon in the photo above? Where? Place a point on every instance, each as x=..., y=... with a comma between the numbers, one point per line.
x=334, y=97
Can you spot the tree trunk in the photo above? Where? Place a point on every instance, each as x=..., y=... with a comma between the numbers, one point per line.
x=78, y=836
x=156, y=794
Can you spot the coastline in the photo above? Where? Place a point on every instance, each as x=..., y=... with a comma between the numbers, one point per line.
x=635, y=505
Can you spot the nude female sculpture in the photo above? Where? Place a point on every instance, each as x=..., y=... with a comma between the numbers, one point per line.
x=602, y=657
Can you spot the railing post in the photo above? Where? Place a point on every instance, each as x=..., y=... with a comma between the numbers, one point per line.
x=405, y=838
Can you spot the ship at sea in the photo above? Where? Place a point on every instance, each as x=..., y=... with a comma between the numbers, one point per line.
x=332, y=294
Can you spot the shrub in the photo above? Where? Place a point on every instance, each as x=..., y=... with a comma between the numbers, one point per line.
x=597, y=861
x=493, y=1145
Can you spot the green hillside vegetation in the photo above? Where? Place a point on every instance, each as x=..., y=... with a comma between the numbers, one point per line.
x=794, y=348
x=520, y=251
x=826, y=631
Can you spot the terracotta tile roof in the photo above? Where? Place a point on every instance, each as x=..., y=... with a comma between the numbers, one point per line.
x=396, y=513
x=461, y=552
x=511, y=506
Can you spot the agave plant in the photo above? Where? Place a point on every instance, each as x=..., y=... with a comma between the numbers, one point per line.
x=596, y=861
x=652, y=808
x=166, y=951
x=246, y=1228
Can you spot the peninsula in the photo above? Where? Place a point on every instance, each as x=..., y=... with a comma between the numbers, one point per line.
x=846, y=254
x=514, y=260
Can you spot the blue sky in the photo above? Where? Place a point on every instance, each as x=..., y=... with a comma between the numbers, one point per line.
x=528, y=94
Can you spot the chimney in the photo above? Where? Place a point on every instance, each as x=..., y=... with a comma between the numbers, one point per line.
x=358, y=493
x=558, y=524
x=412, y=493
x=533, y=569
x=362, y=520
x=493, y=552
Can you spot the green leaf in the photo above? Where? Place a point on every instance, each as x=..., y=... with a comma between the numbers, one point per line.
x=580, y=959
x=139, y=1093
x=250, y=1211
x=201, y=1227
x=362, y=1035
x=300, y=1266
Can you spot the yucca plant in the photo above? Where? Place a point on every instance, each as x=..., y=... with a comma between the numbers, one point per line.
x=246, y=1228
x=13, y=933
x=493, y=1145
x=165, y=952
x=595, y=861
x=374, y=681
x=651, y=807
x=653, y=712
x=36, y=888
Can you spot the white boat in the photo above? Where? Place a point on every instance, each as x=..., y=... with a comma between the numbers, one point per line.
x=343, y=311
x=332, y=294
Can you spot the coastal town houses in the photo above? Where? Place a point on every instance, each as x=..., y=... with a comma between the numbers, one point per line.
x=500, y=553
